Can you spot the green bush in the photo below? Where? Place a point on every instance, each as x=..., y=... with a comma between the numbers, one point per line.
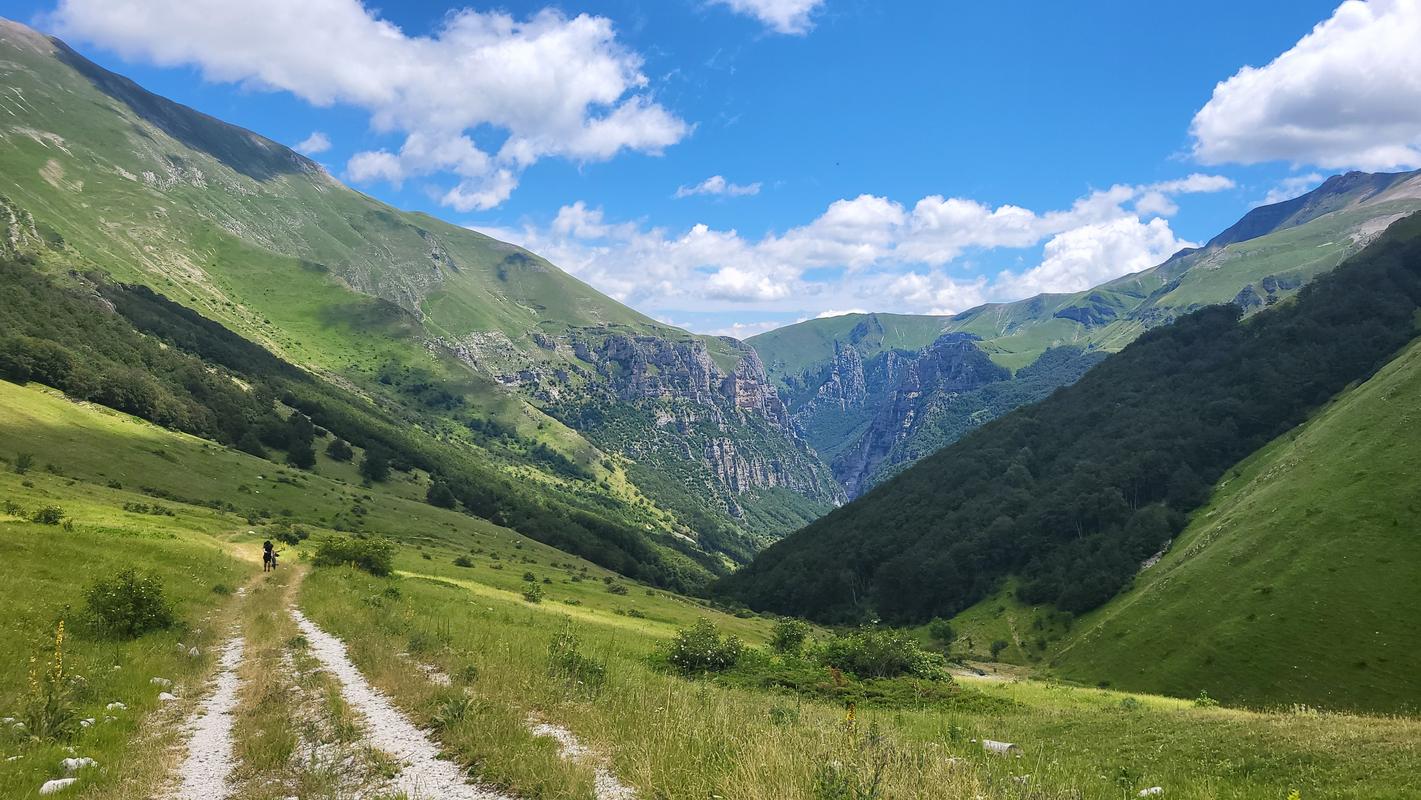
x=129, y=604
x=338, y=450
x=375, y=556
x=49, y=515
x=463, y=561
x=881, y=653
x=533, y=593
x=789, y=636
x=941, y=631
x=701, y=648
x=997, y=647
x=23, y=463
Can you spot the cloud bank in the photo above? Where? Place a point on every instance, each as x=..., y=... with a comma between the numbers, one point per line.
x=1347, y=95
x=551, y=85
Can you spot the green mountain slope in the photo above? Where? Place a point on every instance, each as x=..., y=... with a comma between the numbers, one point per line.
x=852, y=383
x=1299, y=582
x=96, y=173
x=1070, y=495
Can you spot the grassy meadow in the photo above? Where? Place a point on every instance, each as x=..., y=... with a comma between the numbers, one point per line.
x=456, y=605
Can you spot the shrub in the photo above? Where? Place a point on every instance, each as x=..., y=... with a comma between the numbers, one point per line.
x=375, y=466
x=701, y=648
x=789, y=636
x=533, y=593
x=617, y=588
x=463, y=561
x=440, y=495
x=529, y=577
x=338, y=450
x=881, y=653
x=1205, y=701
x=23, y=463
x=997, y=647
x=566, y=661
x=375, y=556
x=49, y=515
x=941, y=631
x=129, y=604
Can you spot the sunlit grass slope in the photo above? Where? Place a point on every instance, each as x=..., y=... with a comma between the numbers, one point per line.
x=1300, y=581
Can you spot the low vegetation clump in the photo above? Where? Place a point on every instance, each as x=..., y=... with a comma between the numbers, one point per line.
x=48, y=515
x=50, y=710
x=533, y=593
x=702, y=648
x=128, y=605
x=566, y=661
x=375, y=556
x=789, y=636
x=881, y=653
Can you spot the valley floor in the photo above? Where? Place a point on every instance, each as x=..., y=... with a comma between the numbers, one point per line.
x=443, y=680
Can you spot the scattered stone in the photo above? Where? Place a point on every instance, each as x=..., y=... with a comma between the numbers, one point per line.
x=164, y=682
x=73, y=765
x=57, y=785
x=115, y=706
x=1151, y=792
x=1001, y=748
x=84, y=723
x=193, y=653
x=166, y=697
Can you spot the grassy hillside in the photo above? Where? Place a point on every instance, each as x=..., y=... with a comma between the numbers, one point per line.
x=662, y=734
x=97, y=174
x=1300, y=581
x=1073, y=493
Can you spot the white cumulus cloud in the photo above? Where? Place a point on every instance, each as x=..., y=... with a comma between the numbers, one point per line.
x=317, y=142
x=1348, y=94
x=871, y=251
x=782, y=16
x=556, y=86
x=718, y=185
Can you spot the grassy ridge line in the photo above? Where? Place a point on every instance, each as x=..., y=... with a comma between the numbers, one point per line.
x=1299, y=582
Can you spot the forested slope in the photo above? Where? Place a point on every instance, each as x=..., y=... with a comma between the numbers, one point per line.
x=1072, y=494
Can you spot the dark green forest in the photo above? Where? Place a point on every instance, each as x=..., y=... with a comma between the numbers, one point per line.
x=131, y=349
x=1073, y=493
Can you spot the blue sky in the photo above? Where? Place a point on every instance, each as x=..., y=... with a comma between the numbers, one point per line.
x=828, y=154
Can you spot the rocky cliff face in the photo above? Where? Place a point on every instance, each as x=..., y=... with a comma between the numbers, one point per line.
x=952, y=365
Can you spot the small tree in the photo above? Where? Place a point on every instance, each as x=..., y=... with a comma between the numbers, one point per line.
x=942, y=632
x=440, y=495
x=23, y=463
x=302, y=455
x=997, y=647
x=129, y=604
x=375, y=466
x=789, y=636
x=533, y=593
x=251, y=444
x=338, y=450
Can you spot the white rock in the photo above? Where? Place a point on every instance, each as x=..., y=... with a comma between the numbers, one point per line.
x=73, y=765
x=165, y=697
x=193, y=653
x=181, y=646
x=1000, y=748
x=115, y=706
x=84, y=723
x=56, y=786
x=7, y=720
x=1151, y=792
x=164, y=682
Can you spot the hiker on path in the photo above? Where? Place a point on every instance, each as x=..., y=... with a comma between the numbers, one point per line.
x=268, y=557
